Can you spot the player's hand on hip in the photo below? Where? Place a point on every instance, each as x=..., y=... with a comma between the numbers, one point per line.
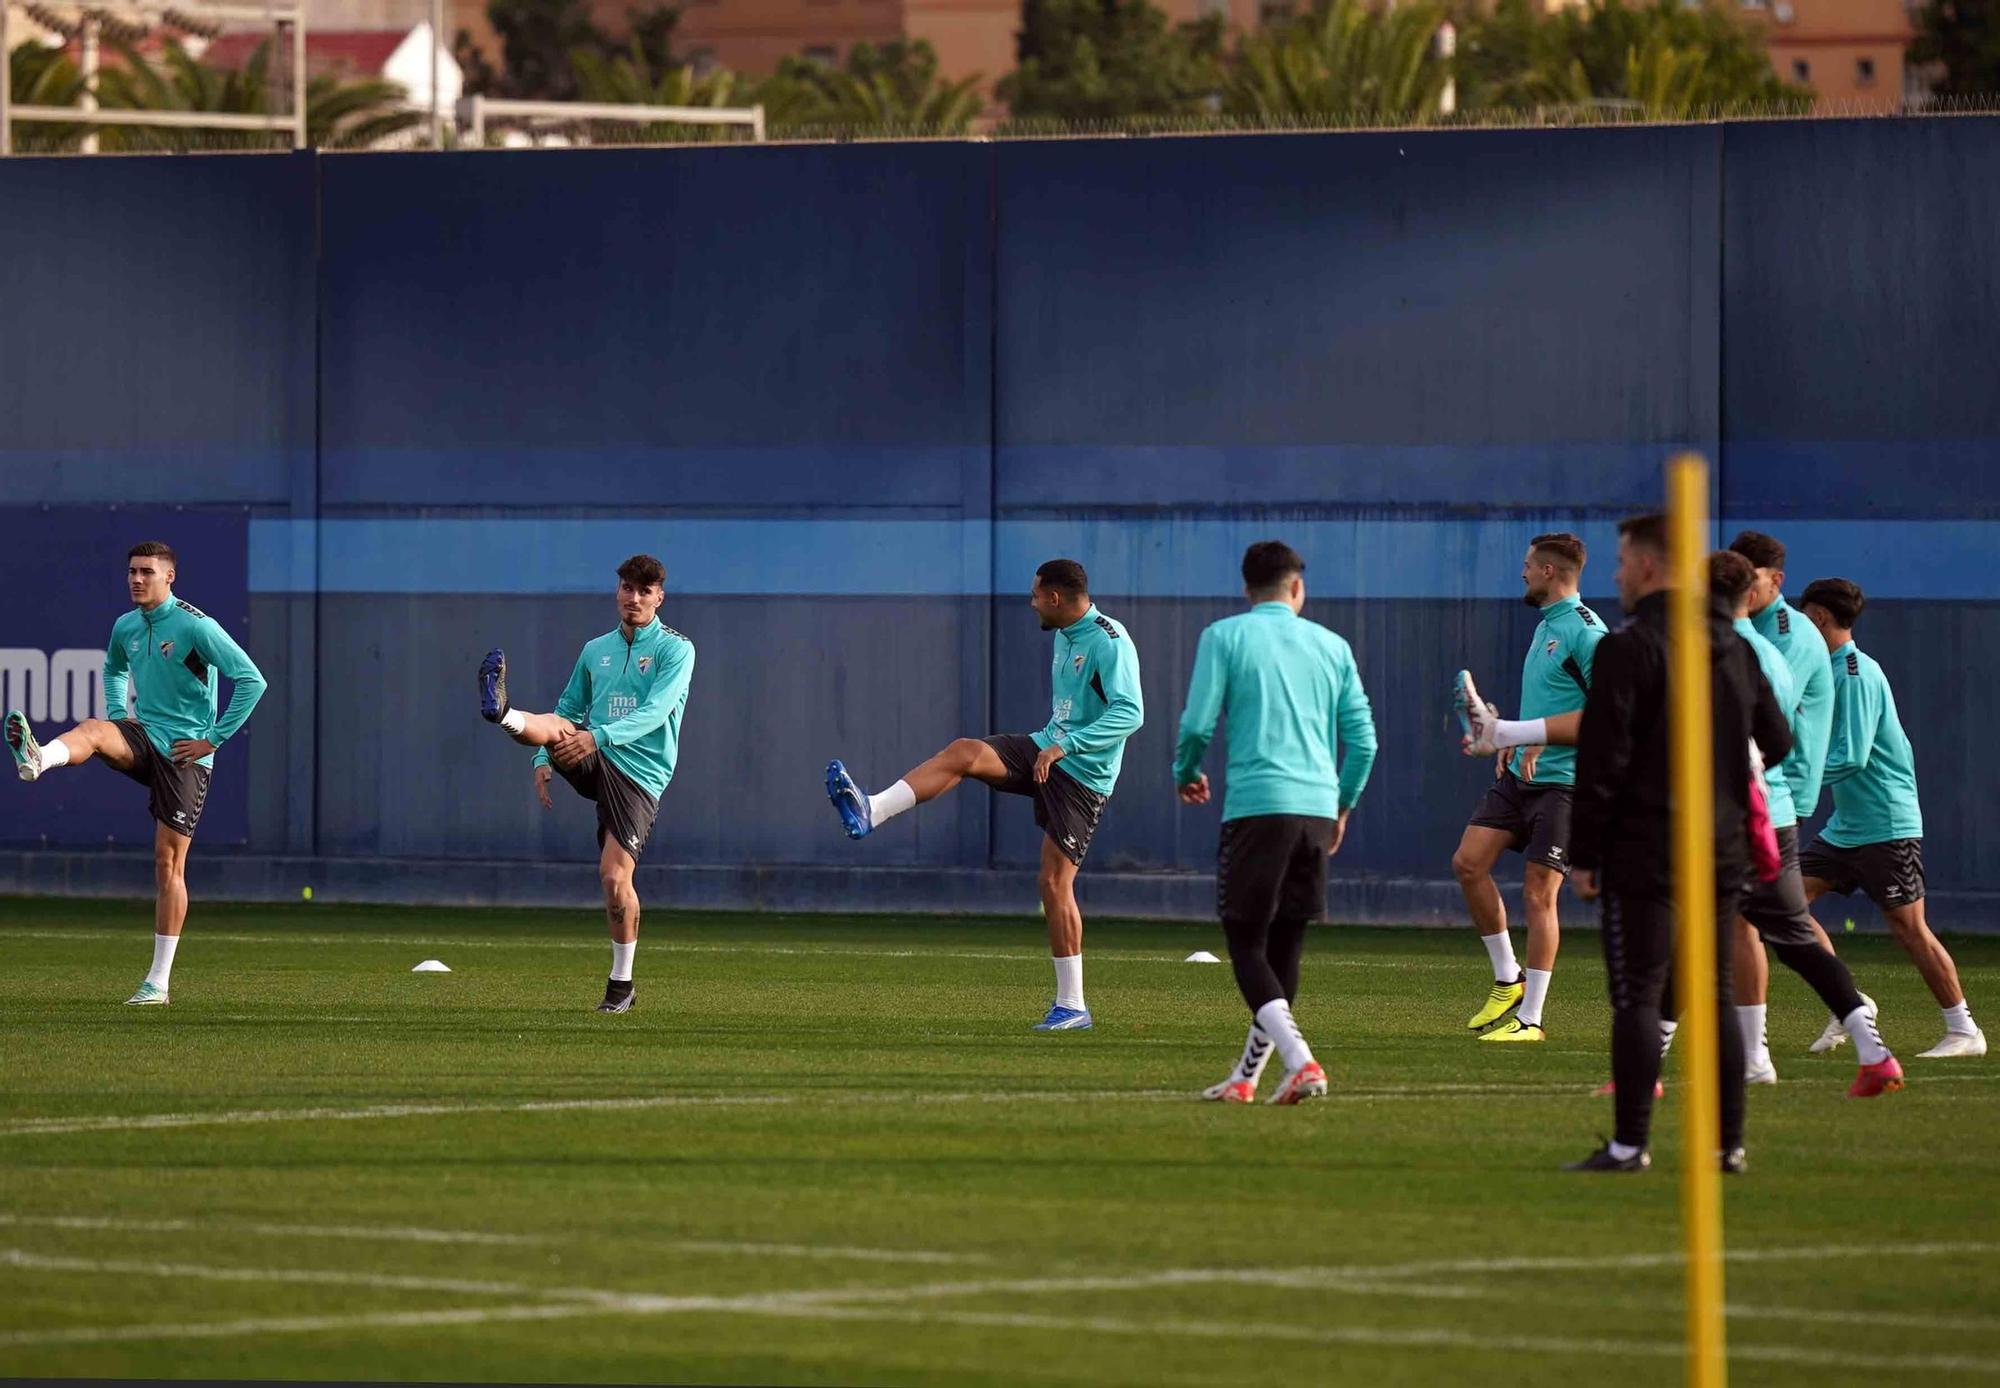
x=1339, y=832
x=1529, y=757
x=1195, y=792
x=1051, y=754
x=1583, y=881
x=542, y=774
x=1500, y=762
x=569, y=750
x=190, y=750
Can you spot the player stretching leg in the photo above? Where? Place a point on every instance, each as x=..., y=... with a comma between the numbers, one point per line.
x=170, y=653
x=615, y=737
x=1527, y=810
x=1875, y=839
x=1294, y=700
x=1068, y=768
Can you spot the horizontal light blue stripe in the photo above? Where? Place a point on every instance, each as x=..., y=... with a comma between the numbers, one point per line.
x=1147, y=556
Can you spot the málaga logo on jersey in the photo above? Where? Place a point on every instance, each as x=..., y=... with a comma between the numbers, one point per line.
x=1077, y=664
x=167, y=649
x=645, y=665
x=622, y=704
x=1551, y=647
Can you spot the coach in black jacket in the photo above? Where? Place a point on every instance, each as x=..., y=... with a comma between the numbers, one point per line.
x=1621, y=832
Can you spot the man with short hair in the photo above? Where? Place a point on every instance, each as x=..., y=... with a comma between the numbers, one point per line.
x=1622, y=830
x=169, y=653
x=1875, y=839
x=1527, y=809
x=615, y=736
x=1294, y=702
x=1776, y=911
x=1068, y=769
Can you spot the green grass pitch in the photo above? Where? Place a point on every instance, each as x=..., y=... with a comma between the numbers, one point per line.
x=831, y=1151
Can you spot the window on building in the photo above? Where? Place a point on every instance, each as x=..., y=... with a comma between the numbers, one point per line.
x=1801, y=70
x=823, y=54
x=1864, y=70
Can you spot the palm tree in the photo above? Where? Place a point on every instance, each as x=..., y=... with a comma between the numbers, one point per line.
x=891, y=89
x=42, y=76
x=1342, y=60
x=628, y=80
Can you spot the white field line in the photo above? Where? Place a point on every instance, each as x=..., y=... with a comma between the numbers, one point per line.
x=393, y=1233
x=1633, y=1261
x=40, y=1127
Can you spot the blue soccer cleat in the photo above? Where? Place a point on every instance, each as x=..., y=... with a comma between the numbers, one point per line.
x=1062, y=1018
x=21, y=742
x=848, y=798
x=493, y=686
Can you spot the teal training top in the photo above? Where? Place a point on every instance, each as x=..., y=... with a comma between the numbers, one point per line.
x=1804, y=649
x=1294, y=701
x=1555, y=678
x=1869, y=765
x=170, y=656
x=1778, y=675
x=631, y=695
x=1095, y=700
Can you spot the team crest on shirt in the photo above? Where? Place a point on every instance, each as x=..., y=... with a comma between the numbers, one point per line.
x=1551, y=647
x=1077, y=663
x=167, y=649
x=645, y=665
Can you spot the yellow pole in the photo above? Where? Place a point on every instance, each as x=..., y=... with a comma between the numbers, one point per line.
x=1694, y=875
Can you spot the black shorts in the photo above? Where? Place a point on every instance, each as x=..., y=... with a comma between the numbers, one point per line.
x=1065, y=810
x=624, y=811
x=1778, y=909
x=178, y=792
x=1536, y=816
x=1271, y=867
x=1892, y=873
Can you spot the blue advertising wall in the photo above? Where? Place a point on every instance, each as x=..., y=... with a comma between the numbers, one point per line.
x=854, y=394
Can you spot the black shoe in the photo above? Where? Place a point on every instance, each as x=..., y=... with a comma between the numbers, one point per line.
x=1734, y=1163
x=1602, y=1160
x=618, y=995
x=493, y=686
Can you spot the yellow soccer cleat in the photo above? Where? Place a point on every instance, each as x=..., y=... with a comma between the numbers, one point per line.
x=1504, y=998
x=1514, y=1029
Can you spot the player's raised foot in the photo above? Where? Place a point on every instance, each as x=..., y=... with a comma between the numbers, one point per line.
x=1879, y=1078
x=1306, y=1082
x=1475, y=716
x=1835, y=1034
x=493, y=686
x=1610, y=1088
x=1062, y=1018
x=1504, y=998
x=1231, y=1091
x=1760, y=1071
x=149, y=995
x=849, y=799
x=1957, y=1045
x=1514, y=1029
x=1602, y=1160
x=1734, y=1162
x=618, y=995
x=21, y=742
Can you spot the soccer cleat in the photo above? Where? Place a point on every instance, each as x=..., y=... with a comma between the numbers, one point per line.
x=1231, y=1091
x=1306, y=1082
x=1760, y=1071
x=1062, y=1018
x=1835, y=1034
x=493, y=686
x=1880, y=1078
x=1734, y=1162
x=21, y=742
x=1602, y=1160
x=1475, y=716
x=618, y=995
x=847, y=797
x=1610, y=1088
x=1504, y=998
x=1957, y=1044
x=1514, y=1029
x=149, y=995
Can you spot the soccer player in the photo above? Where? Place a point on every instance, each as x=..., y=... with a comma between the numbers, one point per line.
x=1622, y=831
x=169, y=653
x=615, y=737
x=1294, y=701
x=1068, y=769
x=1527, y=810
x=1775, y=911
x=1875, y=839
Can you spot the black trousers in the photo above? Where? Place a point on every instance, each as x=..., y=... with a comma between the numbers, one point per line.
x=1638, y=963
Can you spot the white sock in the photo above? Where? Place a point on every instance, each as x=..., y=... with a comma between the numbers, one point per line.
x=163, y=959
x=1667, y=1030
x=1069, y=975
x=1500, y=949
x=55, y=752
x=621, y=961
x=1534, y=995
x=1257, y=1050
x=1868, y=1047
x=513, y=720
x=1522, y=732
x=1958, y=1018
x=889, y=803
x=1274, y=1019
x=1750, y=1021
x=1622, y=1152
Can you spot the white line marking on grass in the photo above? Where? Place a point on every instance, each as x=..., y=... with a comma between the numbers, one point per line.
x=1616, y=1261
x=41, y=1127
x=379, y=1281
